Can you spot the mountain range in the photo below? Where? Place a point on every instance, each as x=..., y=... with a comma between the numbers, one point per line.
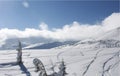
x=43, y=43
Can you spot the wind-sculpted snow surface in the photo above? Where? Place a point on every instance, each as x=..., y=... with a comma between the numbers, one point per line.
x=80, y=60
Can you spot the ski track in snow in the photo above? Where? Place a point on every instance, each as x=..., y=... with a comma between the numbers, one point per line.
x=105, y=63
x=92, y=61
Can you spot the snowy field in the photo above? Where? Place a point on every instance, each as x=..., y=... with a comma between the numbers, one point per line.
x=80, y=60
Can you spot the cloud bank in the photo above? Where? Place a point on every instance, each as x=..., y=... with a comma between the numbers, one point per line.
x=74, y=31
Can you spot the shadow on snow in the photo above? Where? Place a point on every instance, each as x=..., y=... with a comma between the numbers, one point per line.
x=24, y=69
x=21, y=65
x=2, y=65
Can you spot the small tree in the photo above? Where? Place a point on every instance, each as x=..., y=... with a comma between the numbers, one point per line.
x=39, y=67
x=19, y=54
x=62, y=68
x=52, y=68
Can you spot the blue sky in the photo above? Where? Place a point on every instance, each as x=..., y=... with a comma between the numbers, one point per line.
x=29, y=14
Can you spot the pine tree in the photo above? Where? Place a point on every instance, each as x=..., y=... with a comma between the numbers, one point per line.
x=62, y=68
x=19, y=55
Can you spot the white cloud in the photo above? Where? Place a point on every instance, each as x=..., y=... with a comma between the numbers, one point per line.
x=43, y=26
x=112, y=22
x=25, y=4
x=74, y=31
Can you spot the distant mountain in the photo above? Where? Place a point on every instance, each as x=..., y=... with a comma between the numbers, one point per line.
x=50, y=45
x=12, y=43
x=33, y=43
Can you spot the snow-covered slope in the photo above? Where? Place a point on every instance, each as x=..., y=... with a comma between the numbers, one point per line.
x=80, y=60
x=111, y=35
x=109, y=39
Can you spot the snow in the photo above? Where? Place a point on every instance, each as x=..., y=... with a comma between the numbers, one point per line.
x=33, y=45
x=113, y=34
x=80, y=60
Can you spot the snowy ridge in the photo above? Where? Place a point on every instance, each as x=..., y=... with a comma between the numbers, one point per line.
x=111, y=35
x=33, y=45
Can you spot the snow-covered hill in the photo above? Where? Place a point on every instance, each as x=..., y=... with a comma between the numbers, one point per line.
x=80, y=60
x=111, y=35
x=109, y=39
